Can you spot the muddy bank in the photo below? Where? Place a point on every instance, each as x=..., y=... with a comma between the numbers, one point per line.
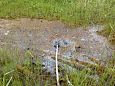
x=39, y=36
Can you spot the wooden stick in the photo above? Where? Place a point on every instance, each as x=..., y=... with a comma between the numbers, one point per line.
x=57, y=74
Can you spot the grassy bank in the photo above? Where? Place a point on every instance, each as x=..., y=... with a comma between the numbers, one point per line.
x=15, y=71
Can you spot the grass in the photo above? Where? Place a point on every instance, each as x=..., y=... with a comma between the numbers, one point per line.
x=76, y=12
x=23, y=73
x=109, y=32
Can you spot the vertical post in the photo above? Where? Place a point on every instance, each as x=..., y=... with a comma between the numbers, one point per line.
x=57, y=74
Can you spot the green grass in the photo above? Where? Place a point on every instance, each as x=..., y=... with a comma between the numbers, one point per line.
x=23, y=73
x=75, y=12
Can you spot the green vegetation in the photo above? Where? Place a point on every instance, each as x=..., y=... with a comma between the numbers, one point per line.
x=22, y=72
x=76, y=12
x=19, y=72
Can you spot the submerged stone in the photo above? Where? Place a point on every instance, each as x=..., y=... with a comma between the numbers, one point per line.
x=68, y=54
x=63, y=42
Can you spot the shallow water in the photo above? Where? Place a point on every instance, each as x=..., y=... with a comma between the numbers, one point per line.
x=40, y=37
